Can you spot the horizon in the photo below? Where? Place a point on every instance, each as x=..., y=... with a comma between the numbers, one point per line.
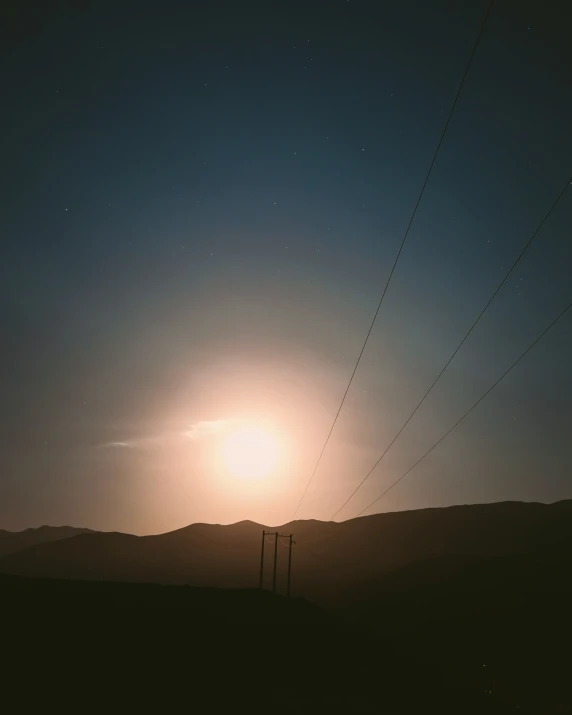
x=280, y=526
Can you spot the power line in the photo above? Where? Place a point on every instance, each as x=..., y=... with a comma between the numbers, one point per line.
x=400, y=249
x=481, y=398
x=459, y=346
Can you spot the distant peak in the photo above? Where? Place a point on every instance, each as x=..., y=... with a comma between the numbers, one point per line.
x=48, y=527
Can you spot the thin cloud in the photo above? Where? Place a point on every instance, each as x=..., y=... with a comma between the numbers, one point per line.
x=139, y=443
x=204, y=428
x=196, y=432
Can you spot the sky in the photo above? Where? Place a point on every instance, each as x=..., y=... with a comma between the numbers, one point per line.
x=201, y=203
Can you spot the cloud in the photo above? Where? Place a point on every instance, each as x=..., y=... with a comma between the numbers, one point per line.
x=204, y=428
x=198, y=431
x=140, y=443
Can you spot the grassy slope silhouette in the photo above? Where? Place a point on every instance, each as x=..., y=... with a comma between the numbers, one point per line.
x=215, y=650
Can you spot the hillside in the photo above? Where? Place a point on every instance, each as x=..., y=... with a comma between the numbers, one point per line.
x=11, y=541
x=327, y=558
x=216, y=606
x=131, y=645
x=501, y=620
x=479, y=594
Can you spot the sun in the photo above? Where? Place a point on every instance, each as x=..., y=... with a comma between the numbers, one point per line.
x=250, y=452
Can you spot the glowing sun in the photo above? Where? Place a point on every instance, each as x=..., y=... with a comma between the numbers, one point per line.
x=250, y=452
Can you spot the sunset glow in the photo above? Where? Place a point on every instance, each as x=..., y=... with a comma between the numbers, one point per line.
x=250, y=452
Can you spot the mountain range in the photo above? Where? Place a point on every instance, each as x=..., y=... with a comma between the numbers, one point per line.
x=11, y=541
x=329, y=558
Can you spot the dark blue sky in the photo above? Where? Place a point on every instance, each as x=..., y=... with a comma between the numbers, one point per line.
x=201, y=203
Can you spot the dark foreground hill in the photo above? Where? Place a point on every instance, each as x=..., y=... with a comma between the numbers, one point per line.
x=505, y=621
x=215, y=606
x=124, y=647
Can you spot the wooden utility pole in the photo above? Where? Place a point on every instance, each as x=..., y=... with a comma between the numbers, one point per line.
x=276, y=537
x=289, y=565
x=262, y=559
x=275, y=562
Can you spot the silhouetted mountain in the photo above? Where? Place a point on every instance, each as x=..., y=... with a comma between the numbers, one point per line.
x=199, y=555
x=11, y=541
x=327, y=558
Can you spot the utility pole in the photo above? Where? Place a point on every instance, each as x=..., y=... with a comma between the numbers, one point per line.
x=276, y=537
x=275, y=562
x=262, y=559
x=289, y=565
